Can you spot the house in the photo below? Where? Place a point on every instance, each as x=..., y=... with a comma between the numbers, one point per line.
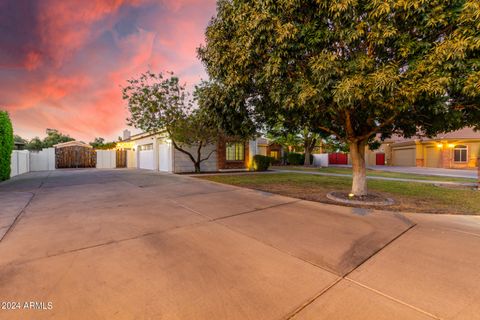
x=155, y=151
x=456, y=150
x=268, y=148
x=18, y=145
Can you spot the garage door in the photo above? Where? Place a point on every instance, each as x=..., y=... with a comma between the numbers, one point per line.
x=145, y=157
x=165, y=157
x=433, y=158
x=403, y=157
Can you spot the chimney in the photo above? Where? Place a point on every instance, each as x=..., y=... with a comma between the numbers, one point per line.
x=126, y=134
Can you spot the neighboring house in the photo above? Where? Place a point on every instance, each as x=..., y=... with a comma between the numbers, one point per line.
x=458, y=149
x=18, y=145
x=269, y=148
x=156, y=152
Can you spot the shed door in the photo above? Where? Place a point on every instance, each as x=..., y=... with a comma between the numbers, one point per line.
x=165, y=157
x=404, y=157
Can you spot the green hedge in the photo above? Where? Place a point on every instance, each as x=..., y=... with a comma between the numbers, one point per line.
x=261, y=163
x=297, y=159
x=6, y=145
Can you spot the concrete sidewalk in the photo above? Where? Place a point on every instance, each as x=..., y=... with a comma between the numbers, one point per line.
x=133, y=244
x=454, y=173
x=377, y=178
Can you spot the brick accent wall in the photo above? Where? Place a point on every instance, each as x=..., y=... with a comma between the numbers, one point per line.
x=221, y=155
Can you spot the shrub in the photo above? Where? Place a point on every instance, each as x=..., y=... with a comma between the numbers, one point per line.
x=295, y=159
x=275, y=161
x=261, y=163
x=6, y=145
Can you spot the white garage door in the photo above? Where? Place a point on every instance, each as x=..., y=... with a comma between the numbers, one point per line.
x=404, y=157
x=165, y=157
x=145, y=157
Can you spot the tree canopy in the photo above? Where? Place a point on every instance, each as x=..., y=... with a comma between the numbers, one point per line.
x=360, y=68
x=53, y=137
x=99, y=143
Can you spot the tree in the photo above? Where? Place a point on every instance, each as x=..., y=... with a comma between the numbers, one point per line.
x=289, y=141
x=99, y=143
x=161, y=104
x=298, y=137
x=367, y=67
x=19, y=139
x=6, y=145
x=54, y=137
x=34, y=144
x=331, y=144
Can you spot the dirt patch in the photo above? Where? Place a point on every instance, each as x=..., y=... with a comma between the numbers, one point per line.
x=371, y=199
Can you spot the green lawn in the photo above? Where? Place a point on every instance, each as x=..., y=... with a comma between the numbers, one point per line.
x=408, y=196
x=376, y=173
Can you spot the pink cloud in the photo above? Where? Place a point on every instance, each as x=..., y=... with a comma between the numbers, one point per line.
x=71, y=70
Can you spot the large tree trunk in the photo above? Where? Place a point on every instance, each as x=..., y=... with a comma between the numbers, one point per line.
x=197, y=167
x=308, y=146
x=307, y=157
x=357, y=153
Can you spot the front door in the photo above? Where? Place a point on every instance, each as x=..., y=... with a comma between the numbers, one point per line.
x=380, y=159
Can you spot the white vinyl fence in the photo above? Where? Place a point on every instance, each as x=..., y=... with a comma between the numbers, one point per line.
x=106, y=159
x=320, y=160
x=42, y=160
x=24, y=161
x=20, y=162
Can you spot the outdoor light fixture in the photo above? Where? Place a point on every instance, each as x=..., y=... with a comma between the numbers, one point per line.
x=451, y=145
x=440, y=145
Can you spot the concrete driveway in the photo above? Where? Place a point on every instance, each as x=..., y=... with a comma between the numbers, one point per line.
x=131, y=244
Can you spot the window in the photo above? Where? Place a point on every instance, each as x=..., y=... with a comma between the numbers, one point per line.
x=460, y=154
x=146, y=147
x=274, y=154
x=235, y=151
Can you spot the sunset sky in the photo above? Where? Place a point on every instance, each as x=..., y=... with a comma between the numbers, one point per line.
x=63, y=62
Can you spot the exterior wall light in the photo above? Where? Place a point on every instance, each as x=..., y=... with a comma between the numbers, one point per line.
x=451, y=145
x=439, y=145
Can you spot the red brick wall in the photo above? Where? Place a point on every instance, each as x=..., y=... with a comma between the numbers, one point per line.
x=221, y=156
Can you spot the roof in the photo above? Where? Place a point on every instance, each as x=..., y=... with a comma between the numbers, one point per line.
x=72, y=144
x=462, y=134
x=140, y=136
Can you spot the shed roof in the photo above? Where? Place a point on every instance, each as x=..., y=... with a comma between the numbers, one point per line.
x=72, y=144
